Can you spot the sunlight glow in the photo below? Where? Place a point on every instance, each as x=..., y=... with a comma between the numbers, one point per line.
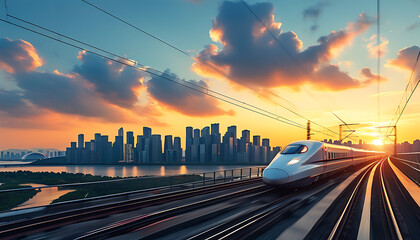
x=378, y=142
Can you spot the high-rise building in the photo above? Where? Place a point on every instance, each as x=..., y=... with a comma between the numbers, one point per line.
x=214, y=128
x=177, y=149
x=130, y=138
x=156, y=153
x=188, y=144
x=256, y=140
x=147, y=132
x=232, y=133
x=121, y=132
x=80, y=141
x=168, y=149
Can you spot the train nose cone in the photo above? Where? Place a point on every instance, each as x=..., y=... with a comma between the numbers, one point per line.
x=275, y=176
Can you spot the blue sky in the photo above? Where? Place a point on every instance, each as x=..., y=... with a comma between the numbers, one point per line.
x=186, y=25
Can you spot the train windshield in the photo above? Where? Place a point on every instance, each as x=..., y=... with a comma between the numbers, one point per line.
x=295, y=149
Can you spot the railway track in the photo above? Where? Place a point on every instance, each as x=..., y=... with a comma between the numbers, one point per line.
x=22, y=228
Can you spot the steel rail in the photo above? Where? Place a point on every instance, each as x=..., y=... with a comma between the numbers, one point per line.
x=128, y=225
x=389, y=207
x=335, y=231
x=25, y=227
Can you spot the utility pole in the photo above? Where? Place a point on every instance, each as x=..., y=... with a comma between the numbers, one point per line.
x=395, y=140
x=308, y=130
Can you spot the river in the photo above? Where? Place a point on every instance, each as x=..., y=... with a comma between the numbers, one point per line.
x=44, y=197
x=126, y=171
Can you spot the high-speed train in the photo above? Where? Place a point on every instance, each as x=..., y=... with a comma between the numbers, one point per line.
x=303, y=162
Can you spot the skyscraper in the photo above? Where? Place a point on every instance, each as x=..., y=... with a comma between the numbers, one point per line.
x=147, y=132
x=177, y=149
x=188, y=144
x=130, y=138
x=80, y=141
x=256, y=140
x=121, y=132
x=168, y=149
x=156, y=153
x=214, y=128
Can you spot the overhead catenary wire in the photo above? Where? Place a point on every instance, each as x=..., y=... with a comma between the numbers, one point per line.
x=185, y=53
x=285, y=50
x=398, y=113
x=160, y=72
x=152, y=73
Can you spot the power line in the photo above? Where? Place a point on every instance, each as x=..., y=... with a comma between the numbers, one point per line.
x=379, y=60
x=287, y=52
x=289, y=122
x=139, y=29
x=185, y=53
x=409, y=97
x=160, y=72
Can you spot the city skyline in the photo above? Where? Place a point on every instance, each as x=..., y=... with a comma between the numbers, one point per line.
x=50, y=90
x=201, y=146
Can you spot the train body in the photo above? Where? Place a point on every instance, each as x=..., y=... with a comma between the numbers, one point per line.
x=303, y=162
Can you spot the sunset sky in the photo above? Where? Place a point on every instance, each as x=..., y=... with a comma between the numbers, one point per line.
x=324, y=61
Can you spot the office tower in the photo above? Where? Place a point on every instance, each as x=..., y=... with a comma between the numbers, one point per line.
x=87, y=151
x=129, y=153
x=118, y=149
x=106, y=152
x=205, y=131
x=246, y=134
x=214, y=128
x=139, y=149
x=177, y=149
x=147, y=132
x=80, y=141
x=205, y=145
x=188, y=144
x=195, y=148
x=232, y=131
x=266, y=150
x=121, y=132
x=2, y=155
x=130, y=138
x=168, y=153
x=156, y=153
x=256, y=140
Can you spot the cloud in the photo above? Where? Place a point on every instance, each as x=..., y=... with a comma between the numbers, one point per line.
x=182, y=99
x=65, y=94
x=313, y=12
x=370, y=77
x=12, y=103
x=413, y=26
x=96, y=89
x=251, y=58
x=406, y=58
x=18, y=56
x=117, y=83
x=373, y=48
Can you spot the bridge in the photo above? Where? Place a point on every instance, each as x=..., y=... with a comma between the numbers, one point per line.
x=377, y=200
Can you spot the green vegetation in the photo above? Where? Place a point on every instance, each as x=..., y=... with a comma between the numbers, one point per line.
x=12, y=180
x=95, y=190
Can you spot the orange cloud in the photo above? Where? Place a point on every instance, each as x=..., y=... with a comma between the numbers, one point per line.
x=251, y=58
x=406, y=58
x=373, y=49
x=18, y=56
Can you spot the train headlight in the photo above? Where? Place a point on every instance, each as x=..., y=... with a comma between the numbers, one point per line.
x=293, y=161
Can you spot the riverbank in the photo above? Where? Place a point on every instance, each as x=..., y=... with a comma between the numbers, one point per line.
x=24, y=179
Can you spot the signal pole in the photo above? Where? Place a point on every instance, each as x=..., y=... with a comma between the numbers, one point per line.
x=395, y=140
x=308, y=130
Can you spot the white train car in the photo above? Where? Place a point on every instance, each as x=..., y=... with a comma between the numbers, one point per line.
x=304, y=162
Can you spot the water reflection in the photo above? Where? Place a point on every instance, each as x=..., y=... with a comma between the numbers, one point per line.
x=183, y=169
x=44, y=197
x=128, y=171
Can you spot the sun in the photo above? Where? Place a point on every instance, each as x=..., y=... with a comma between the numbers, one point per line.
x=378, y=142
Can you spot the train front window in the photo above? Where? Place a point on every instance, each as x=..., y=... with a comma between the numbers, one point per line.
x=295, y=149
